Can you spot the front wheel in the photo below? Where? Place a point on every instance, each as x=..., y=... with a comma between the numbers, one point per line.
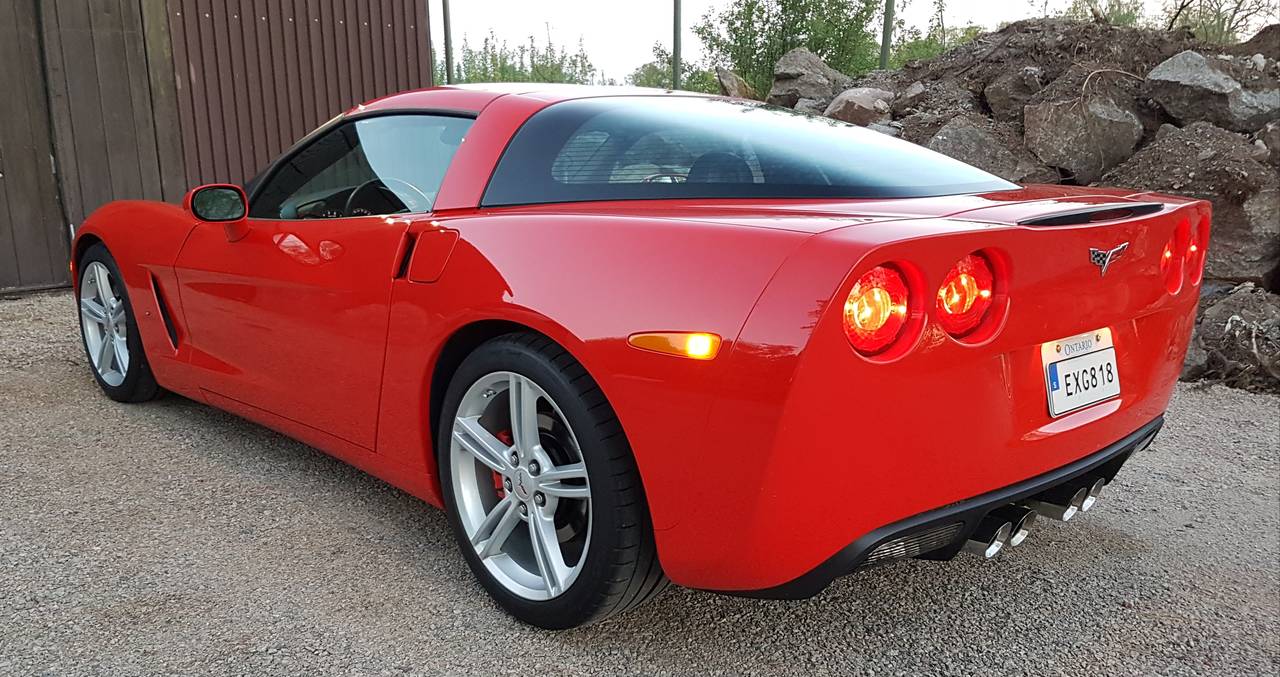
x=110, y=334
x=541, y=487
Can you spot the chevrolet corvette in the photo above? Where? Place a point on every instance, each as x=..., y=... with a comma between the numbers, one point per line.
x=627, y=337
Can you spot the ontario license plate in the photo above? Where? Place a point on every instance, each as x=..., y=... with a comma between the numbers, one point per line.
x=1080, y=371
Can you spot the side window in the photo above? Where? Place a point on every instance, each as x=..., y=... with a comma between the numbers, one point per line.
x=391, y=164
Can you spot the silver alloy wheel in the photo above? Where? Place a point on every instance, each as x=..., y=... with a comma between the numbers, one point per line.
x=520, y=484
x=103, y=321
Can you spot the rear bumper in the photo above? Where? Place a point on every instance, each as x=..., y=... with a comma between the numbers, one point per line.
x=939, y=533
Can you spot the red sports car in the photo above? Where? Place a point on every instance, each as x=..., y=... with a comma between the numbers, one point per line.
x=624, y=337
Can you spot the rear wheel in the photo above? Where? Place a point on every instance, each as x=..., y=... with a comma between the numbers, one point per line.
x=541, y=487
x=110, y=334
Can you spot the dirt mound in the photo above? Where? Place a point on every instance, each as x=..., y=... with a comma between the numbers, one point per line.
x=1200, y=160
x=1266, y=43
x=1204, y=161
x=1050, y=45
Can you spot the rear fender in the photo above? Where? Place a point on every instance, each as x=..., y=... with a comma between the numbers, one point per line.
x=588, y=282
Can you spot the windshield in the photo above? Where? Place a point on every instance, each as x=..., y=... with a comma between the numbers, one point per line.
x=659, y=147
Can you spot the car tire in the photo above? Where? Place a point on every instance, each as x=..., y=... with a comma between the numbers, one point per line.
x=109, y=332
x=616, y=566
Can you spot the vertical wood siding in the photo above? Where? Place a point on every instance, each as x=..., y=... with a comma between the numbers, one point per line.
x=33, y=237
x=254, y=76
x=142, y=99
x=115, y=123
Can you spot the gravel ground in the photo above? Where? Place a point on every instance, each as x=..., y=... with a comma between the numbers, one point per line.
x=173, y=538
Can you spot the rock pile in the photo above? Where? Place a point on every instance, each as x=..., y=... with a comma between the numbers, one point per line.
x=1237, y=340
x=1058, y=101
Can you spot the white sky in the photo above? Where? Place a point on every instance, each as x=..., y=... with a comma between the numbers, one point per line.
x=619, y=35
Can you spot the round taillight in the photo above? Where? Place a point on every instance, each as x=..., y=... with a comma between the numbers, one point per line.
x=876, y=310
x=1174, y=257
x=965, y=295
x=1197, y=250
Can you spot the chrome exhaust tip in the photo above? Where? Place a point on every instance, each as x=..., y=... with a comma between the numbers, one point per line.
x=1022, y=518
x=989, y=538
x=1095, y=492
x=1061, y=503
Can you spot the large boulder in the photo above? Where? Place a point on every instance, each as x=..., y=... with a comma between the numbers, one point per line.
x=861, y=106
x=1237, y=340
x=810, y=106
x=1084, y=136
x=733, y=85
x=801, y=74
x=977, y=141
x=891, y=129
x=909, y=97
x=1008, y=93
x=932, y=108
x=1192, y=87
x=1207, y=162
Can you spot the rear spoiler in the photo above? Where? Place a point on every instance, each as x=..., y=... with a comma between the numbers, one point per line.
x=1094, y=213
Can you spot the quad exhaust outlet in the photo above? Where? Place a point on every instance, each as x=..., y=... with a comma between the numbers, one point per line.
x=1061, y=503
x=1095, y=492
x=1021, y=517
x=990, y=537
x=1010, y=525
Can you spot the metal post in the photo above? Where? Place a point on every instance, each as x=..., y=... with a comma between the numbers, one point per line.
x=448, y=44
x=675, y=50
x=887, y=36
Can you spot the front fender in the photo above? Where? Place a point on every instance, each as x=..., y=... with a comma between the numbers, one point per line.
x=139, y=234
x=144, y=238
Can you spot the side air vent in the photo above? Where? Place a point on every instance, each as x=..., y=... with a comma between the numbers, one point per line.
x=165, y=315
x=914, y=545
x=405, y=253
x=1094, y=214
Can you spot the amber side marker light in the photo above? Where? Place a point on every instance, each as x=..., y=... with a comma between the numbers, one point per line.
x=695, y=345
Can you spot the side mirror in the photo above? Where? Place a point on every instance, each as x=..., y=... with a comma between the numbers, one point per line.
x=221, y=203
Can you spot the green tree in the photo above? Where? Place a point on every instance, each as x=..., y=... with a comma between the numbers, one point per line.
x=657, y=73
x=1114, y=12
x=1223, y=22
x=913, y=44
x=496, y=61
x=749, y=36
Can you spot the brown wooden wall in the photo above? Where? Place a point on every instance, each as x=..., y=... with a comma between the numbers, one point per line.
x=105, y=100
x=254, y=76
x=116, y=137
x=33, y=237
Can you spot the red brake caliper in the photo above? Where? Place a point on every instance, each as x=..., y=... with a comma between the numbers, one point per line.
x=505, y=438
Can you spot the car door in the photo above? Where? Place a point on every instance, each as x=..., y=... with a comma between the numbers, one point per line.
x=292, y=317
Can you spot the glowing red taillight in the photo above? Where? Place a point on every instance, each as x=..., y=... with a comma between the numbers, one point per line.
x=1175, y=256
x=876, y=310
x=1198, y=249
x=965, y=295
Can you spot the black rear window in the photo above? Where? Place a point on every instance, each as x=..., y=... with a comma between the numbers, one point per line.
x=657, y=147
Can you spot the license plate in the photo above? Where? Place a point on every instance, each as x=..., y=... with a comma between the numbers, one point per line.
x=1080, y=371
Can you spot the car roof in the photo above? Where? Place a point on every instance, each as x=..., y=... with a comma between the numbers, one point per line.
x=474, y=97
